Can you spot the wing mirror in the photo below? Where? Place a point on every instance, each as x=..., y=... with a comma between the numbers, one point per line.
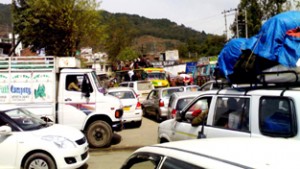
x=5, y=130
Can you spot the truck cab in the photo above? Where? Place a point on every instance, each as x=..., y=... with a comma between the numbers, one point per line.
x=40, y=84
x=90, y=108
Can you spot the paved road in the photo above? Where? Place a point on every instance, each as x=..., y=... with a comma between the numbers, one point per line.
x=125, y=142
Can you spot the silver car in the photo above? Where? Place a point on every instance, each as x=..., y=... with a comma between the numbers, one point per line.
x=156, y=103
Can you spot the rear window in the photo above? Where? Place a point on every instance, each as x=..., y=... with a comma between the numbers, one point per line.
x=144, y=86
x=123, y=84
x=123, y=95
x=183, y=102
x=168, y=92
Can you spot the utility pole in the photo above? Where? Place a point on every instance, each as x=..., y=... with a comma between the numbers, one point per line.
x=225, y=15
x=246, y=24
x=237, y=23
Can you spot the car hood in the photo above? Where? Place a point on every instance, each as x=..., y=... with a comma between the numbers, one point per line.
x=60, y=130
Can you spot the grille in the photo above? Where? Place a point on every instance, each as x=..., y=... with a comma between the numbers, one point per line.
x=83, y=156
x=81, y=141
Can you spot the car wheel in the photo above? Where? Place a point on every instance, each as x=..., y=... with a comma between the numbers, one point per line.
x=39, y=160
x=99, y=134
x=157, y=116
x=144, y=111
x=138, y=124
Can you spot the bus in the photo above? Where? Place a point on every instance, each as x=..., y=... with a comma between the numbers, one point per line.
x=157, y=76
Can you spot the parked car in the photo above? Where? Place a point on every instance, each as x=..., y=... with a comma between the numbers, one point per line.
x=191, y=88
x=141, y=87
x=243, y=112
x=230, y=153
x=28, y=142
x=157, y=102
x=178, y=100
x=131, y=105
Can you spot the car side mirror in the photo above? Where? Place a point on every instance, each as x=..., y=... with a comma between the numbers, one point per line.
x=5, y=130
x=189, y=115
x=178, y=116
x=85, y=87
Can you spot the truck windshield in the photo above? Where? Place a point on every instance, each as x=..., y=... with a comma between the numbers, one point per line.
x=97, y=82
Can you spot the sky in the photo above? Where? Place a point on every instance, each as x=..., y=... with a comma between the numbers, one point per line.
x=200, y=15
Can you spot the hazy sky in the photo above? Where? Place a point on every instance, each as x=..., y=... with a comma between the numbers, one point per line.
x=200, y=15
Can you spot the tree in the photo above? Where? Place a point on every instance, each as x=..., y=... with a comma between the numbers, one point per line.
x=257, y=11
x=127, y=54
x=120, y=35
x=58, y=26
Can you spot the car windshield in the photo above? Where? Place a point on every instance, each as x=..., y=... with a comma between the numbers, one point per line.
x=98, y=82
x=144, y=86
x=25, y=119
x=157, y=75
x=123, y=94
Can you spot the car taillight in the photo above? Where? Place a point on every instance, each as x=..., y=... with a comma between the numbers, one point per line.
x=119, y=113
x=138, y=105
x=173, y=113
x=161, y=103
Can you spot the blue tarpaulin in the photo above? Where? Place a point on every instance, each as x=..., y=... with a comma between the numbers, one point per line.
x=278, y=40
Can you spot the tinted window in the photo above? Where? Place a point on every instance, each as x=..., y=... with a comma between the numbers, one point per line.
x=123, y=84
x=171, y=163
x=276, y=117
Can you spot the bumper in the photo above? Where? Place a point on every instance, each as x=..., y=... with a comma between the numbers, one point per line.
x=76, y=158
x=117, y=126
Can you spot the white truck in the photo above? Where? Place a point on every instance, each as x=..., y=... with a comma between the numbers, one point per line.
x=40, y=84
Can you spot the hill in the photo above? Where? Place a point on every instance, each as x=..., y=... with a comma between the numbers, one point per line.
x=150, y=35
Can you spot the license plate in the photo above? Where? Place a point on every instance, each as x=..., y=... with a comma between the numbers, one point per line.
x=127, y=108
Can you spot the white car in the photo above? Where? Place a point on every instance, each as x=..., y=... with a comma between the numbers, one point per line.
x=28, y=142
x=131, y=105
x=141, y=87
x=216, y=153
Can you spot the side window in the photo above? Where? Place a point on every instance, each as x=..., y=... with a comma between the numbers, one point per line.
x=277, y=117
x=73, y=83
x=143, y=161
x=171, y=163
x=198, y=111
x=131, y=85
x=232, y=113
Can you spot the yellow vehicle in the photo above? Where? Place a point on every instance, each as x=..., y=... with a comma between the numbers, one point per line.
x=157, y=76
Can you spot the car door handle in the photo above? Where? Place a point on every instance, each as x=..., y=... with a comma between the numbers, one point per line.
x=68, y=99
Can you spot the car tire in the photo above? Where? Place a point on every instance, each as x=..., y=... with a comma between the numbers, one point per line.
x=39, y=160
x=138, y=124
x=99, y=134
x=157, y=116
x=144, y=112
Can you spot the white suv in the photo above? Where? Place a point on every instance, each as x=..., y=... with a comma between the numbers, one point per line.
x=238, y=113
x=28, y=142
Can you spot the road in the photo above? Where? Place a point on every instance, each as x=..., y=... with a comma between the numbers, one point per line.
x=124, y=143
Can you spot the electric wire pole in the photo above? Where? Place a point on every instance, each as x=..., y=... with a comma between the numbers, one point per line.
x=225, y=15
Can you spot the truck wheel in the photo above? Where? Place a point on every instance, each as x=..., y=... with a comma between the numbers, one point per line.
x=39, y=160
x=99, y=134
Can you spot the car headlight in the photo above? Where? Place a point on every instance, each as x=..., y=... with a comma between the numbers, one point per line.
x=59, y=141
